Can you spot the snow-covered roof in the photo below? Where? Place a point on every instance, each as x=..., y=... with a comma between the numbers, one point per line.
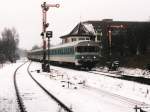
x=81, y=30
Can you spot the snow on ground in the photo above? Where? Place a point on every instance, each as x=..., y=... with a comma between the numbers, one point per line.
x=7, y=92
x=82, y=83
x=127, y=71
x=34, y=99
x=135, y=72
x=129, y=89
x=80, y=90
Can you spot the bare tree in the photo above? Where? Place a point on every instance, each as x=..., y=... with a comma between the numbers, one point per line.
x=35, y=47
x=9, y=43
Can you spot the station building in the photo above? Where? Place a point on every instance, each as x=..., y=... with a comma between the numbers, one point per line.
x=111, y=34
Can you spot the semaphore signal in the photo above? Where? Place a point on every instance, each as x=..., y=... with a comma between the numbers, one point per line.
x=44, y=34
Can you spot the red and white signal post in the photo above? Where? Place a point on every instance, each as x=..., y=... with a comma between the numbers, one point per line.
x=44, y=34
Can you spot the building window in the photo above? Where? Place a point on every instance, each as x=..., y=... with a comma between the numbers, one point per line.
x=73, y=39
x=66, y=40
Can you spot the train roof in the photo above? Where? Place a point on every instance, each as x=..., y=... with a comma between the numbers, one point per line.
x=75, y=43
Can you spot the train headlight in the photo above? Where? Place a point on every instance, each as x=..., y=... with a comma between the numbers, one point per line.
x=82, y=57
x=94, y=57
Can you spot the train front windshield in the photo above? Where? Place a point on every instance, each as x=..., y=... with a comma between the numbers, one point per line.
x=82, y=49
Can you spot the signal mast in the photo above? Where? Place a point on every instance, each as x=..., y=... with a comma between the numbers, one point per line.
x=46, y=34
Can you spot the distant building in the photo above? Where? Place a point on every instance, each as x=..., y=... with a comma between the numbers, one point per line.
x=124, y=36
x=78, y=33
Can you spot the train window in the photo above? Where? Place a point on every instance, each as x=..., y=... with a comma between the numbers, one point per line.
x=68, y=51
x=79, y=49
x=81, y=38
x=51, y=52
x=60, y=51
x=65, y=50
x=87, y=38
x=72, y=50
x=87, y=49
x=56, y=52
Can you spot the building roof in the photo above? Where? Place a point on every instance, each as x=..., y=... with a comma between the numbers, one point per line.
x=89, y=28
x=79, y=30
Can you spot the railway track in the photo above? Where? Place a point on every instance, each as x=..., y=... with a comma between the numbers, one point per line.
x=117, y=74
x=21, y=104
x=138, y=104
x=132, y=101
x=91, y=91
x=119, y=97
x=124, y=77
x=19, y=99
x=129, y=101
x=50, y=94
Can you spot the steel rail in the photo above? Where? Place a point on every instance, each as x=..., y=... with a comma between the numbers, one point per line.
x=137, y=79
x=49, y=94
x=19, y=99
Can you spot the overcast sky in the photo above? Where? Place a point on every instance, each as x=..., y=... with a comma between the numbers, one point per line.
x=26, y=16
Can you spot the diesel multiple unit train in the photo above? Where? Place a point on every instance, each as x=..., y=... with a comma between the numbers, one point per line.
x=79, y=53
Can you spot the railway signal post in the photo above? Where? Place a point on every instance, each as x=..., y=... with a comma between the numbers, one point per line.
x=44, y=34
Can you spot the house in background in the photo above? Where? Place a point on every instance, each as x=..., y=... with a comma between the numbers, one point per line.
x=114, y=37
